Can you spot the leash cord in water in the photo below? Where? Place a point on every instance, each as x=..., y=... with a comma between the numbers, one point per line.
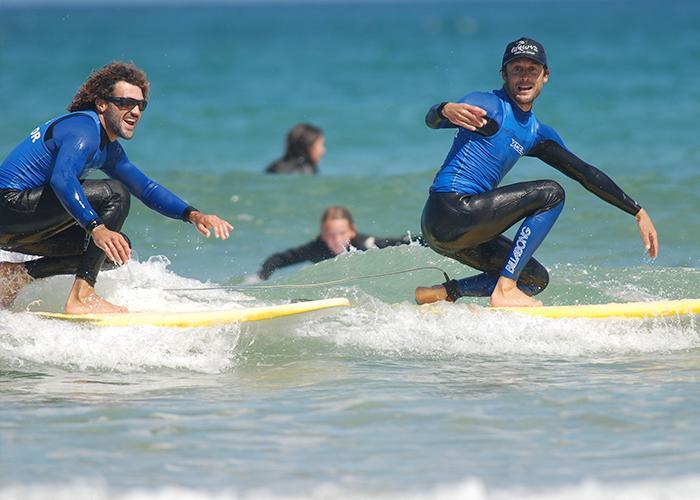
x=311, y=285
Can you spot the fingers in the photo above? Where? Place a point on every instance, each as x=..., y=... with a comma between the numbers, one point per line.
x=202, y=228
x=114, y=245
x=222, y=229
x=123, y=249
x=652, y=246
x=647, y=243
x=648, y=232
x=466, y=116
x=474, y=117
x=113, y=253
x=109, y=251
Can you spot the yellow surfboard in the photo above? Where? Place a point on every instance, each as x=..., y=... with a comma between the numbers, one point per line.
x=614, y=310
x=198, y=318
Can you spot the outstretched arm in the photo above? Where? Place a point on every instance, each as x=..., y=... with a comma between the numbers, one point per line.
x=455, y=114
x=206, y=222
x=162, y=200
x=309, y=251
x=479, y=112
x=597, y=182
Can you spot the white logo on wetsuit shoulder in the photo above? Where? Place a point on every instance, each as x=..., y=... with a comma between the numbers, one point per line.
x=520, y=245
x=517, y=146
x=35, y=134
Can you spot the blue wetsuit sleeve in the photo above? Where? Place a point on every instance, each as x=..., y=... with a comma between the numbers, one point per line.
x=152, y=194
x=552, y=151
x=485, y=100
x=547, y=133
x=77, y=139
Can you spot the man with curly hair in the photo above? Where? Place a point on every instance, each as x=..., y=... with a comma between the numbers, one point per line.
x=49, y=209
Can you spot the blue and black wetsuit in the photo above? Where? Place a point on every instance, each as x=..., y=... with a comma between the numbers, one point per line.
x=47, y=207
x=466, y=212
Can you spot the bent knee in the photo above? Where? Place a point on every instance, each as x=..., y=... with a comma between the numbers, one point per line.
x=120, y=194
x=555, y=192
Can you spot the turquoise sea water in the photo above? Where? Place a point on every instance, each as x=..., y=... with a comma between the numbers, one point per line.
x=384, y=399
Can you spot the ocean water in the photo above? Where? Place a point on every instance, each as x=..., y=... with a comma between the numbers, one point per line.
x=384, y=399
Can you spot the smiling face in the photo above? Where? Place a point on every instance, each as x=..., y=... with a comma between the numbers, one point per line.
x=116, y=121
x=523, y=80
x=337, y=233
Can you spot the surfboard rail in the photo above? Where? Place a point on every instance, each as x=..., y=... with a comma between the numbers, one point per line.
x=651, y=309
x=197, y=318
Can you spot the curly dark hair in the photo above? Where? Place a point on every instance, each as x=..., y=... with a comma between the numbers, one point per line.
x=101, y=83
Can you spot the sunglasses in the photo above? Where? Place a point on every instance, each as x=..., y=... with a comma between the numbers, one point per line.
x=127, y=102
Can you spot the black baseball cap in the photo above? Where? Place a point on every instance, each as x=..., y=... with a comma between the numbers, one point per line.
x=525, y=47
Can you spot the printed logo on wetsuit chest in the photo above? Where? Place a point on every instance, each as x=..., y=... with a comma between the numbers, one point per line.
x=517, y=147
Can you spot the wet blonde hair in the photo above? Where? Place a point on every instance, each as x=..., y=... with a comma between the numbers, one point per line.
x=337, y=212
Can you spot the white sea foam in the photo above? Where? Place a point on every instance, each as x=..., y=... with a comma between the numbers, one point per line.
x=442, y=330
x=470, y=489
x=140, y=286
x=449, y=329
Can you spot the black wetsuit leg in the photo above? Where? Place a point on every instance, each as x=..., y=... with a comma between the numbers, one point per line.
x=34, y=222
x=468, y=228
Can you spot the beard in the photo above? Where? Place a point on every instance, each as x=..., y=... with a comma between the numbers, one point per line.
x=114, y=122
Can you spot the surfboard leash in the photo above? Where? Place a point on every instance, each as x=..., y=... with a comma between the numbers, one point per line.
x=312, y=285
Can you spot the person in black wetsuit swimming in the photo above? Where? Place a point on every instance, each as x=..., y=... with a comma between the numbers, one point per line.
x=338, y=234
x=305, y=147
x=49, y=209
x=467, y=212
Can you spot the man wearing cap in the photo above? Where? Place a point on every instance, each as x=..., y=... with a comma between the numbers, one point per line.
x=467, y=211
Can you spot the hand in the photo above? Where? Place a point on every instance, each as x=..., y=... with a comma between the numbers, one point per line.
x=464, y=115
x=646, y=229
x=203, y=223
x=112, y=243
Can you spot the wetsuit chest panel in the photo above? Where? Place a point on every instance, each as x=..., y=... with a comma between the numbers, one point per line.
x=517, y=135
x=477, y=163
x=30, y=164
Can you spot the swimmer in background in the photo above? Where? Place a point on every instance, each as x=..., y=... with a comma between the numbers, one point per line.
x=338, y=235
x=305, y=147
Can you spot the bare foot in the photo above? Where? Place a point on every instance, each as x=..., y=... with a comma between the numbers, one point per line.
x=13, y=277
x=82, y=299
x=507, y=294
x=428, y=295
